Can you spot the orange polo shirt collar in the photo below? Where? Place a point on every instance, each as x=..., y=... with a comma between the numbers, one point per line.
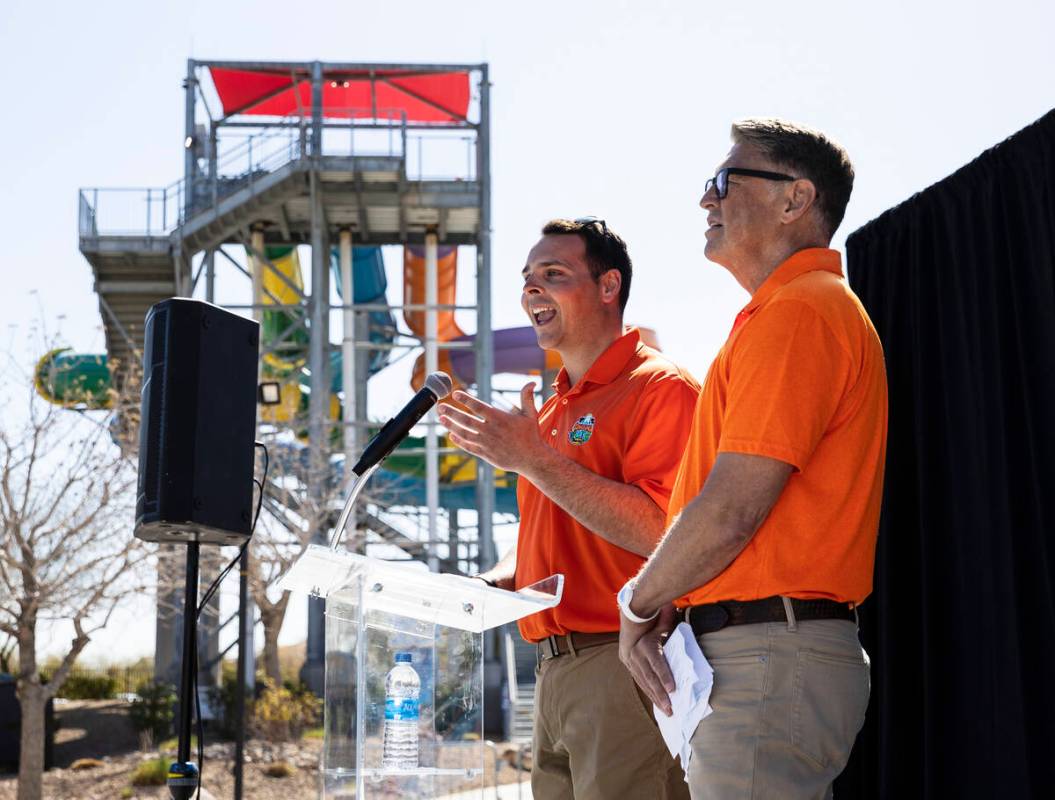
x=608, y=366
x=808, y=260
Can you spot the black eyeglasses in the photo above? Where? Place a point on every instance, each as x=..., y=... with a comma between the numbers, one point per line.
x=720, y=182
x=586, y=221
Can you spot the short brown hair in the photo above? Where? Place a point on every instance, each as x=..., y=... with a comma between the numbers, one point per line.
x=808, y=153
x=605, y=249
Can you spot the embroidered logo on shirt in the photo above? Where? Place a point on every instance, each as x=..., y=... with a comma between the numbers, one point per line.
x=582, y=430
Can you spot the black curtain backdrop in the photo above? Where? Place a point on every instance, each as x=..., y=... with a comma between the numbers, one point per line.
x=960, y=283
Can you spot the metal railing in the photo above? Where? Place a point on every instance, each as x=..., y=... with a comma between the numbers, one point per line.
x=443, y=154
x=127, y=211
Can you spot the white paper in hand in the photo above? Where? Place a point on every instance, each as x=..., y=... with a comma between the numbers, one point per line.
x=693, y=679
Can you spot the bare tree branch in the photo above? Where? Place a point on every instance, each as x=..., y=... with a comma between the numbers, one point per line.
x=67, y=494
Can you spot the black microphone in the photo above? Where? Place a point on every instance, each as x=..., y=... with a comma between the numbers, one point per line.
x=437, y=386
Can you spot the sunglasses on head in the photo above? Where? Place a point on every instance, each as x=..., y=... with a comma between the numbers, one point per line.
x=587, y=221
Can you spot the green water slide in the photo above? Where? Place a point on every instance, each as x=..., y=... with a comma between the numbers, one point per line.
x=73, y=380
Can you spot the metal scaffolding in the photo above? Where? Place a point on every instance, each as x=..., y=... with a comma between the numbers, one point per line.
x=320, y=176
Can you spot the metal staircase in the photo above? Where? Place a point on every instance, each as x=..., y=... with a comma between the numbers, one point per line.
x=132, y=272
x=520, y=666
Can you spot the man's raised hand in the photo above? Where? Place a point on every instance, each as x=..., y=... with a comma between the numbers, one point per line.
x=508, y=440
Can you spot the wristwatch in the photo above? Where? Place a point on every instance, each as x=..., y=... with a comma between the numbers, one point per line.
x=625, y=598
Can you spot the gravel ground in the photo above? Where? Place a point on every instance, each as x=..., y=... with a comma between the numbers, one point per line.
x=100, y=730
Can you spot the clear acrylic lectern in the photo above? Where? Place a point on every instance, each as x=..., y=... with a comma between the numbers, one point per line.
x=375, y=609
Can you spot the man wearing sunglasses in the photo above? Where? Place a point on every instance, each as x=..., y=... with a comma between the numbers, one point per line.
x=772, y=523
x=596, y=466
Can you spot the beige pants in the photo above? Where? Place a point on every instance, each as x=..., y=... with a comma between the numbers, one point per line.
x=595, y=738
x=788, y=702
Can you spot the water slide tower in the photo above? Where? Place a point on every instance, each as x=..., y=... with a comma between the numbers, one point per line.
x=344, y=159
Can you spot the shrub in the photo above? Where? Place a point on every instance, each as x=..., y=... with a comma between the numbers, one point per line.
x=151, y=773
x=279, y=769
x=88, y=686
x=283, y=714
x=170, y=746
x=153, y=709
x=81, y=684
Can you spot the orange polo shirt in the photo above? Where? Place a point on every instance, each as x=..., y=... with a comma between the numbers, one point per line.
x=801, y=379
x=627, y=419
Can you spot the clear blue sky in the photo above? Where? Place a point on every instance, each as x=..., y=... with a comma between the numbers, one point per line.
x=615, y=109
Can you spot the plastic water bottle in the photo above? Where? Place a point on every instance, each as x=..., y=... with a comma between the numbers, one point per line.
x=402, y=689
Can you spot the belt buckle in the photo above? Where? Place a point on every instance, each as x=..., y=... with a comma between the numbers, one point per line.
x=548, y=644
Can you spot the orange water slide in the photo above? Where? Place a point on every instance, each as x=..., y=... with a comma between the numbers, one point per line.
x=414, y=289
x=414, y=294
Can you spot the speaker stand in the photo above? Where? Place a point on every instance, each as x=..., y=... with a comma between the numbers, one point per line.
x=183, y=774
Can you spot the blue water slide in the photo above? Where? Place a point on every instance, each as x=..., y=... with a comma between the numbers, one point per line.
x=369, y=284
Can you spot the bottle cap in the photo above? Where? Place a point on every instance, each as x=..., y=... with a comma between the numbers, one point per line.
x=404, y=658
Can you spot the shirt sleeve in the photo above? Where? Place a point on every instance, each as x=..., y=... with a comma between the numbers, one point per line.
x=788, y=374
x=657, y=435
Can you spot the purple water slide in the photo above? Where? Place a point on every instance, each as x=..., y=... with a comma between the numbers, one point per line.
x=516, y=350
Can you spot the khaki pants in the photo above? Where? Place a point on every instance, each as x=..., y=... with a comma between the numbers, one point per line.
x=788, y=702
x=595, y=737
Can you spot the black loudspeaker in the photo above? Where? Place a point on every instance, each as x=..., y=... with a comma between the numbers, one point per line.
x=198, y=424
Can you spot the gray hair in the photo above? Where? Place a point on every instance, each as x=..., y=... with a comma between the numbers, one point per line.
x=808, y=153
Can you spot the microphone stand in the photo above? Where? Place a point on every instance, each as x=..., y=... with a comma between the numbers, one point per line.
x=358, y=482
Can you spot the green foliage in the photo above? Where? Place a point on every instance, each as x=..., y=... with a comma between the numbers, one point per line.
x=154, y=709
x=315, y=733
x=88, y=686
x=151, y=773
x=102, y=683
x=283, y=714
x=171, y=745
x=126, y=793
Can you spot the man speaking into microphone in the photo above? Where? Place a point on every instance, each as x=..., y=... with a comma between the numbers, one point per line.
x=596, y=467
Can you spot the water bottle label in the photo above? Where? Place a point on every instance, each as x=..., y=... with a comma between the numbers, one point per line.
x=405, y=710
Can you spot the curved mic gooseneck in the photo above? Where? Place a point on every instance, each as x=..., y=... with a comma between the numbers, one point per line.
x=437, y=386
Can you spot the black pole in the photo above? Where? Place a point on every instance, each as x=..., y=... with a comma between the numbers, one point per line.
x=183, y=775
x=239, y=700
x=190, y=614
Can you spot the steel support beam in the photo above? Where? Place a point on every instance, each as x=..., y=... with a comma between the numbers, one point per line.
x=432, y=363
x=318, y=362
x=348, y=365
x=210, y=276
x=257, y=261
x=190, y=166
x=485, y=474
x=307, y=67
x=134, y=287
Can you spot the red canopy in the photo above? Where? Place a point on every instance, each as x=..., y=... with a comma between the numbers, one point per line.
x=429, y=97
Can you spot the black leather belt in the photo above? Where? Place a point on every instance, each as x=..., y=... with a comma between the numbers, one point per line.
x=712, y=617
